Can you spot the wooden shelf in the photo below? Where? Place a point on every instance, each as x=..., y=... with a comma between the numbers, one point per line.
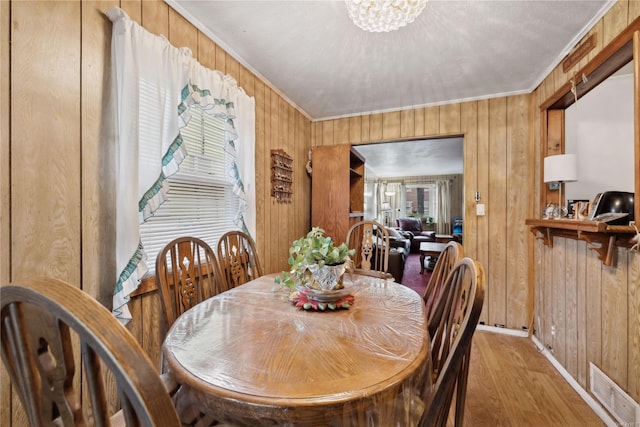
x=601, y=237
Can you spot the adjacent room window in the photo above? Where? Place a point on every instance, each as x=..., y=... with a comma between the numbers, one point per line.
x=421, y=201
x=201, y=202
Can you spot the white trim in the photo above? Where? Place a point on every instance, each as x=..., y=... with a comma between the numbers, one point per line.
x=589, y=400
x=503, y=331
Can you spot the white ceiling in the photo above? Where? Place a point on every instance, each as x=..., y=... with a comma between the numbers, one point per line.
x=316, y=58
x=414, y=158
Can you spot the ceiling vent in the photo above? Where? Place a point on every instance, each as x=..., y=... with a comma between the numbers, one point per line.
x=613, y=398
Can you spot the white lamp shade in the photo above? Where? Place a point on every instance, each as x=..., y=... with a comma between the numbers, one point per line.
x=561, y=168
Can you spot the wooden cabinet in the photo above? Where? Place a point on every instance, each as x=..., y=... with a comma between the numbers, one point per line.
x=337, y=189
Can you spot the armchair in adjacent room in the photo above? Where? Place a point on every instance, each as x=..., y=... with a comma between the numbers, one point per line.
x=412, y=227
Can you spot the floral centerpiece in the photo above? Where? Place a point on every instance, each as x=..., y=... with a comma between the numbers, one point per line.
x=316, y=262
x=316, y=275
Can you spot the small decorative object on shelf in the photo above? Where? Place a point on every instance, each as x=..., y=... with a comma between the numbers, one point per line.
x=317, y=268
x=551, y=211
x=281, y=176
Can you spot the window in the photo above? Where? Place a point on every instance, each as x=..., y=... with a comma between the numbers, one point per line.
x=200, y=202
x=421, y=201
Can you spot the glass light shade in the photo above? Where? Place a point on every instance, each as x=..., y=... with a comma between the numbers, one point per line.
x=383, y=15
x=561, y=168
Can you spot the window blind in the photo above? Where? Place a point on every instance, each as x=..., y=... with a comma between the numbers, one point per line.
x=200, y=202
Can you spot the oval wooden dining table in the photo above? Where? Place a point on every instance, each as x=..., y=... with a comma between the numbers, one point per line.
x=250, y=357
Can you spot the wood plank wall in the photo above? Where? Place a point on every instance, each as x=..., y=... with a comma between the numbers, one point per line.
x=56, y=179
x=56, y=196
x=498, y=162
x=584, y=311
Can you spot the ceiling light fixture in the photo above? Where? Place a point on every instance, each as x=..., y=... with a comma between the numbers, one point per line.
x=384, y=15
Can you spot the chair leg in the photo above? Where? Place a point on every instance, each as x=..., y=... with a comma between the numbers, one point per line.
x=461, y=389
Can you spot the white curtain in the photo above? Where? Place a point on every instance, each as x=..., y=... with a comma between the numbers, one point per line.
x=395, y=200
x=147, y=69
x=443, y=214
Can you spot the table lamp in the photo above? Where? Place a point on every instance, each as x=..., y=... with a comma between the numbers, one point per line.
x=561, y=168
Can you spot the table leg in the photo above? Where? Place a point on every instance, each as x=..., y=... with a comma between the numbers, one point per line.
x=421, y=262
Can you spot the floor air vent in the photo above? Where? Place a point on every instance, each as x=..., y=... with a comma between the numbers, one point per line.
x=613, y=398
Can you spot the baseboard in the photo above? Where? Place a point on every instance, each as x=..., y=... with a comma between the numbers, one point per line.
x=503, y=331
x=597, y=408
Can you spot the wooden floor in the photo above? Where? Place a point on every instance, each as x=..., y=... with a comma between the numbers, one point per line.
x=512, y=384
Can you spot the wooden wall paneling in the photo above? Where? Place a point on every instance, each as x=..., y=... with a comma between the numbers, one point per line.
x=5, y=183
x=432, y=120
x=275, y=143
x=221, y=60
x=45, y=207
x=482, y=223
x=133, y=9
x=5, y=189
x=548, y=299
x=418, y=122
x=559, y=300
x=633, y=281
x=533, y=163
x=615, y=320
x=262, y=177
x=341, y=131
x=98, y=153
x=497, y=206
x=615, y=20
x=517, y=185
x=375, y=127
x=391, y=125
x=155, y=17
x=365, y=122
x=539, y=325
x=286, y=210
x=45, y=137
x=232, y=67
x=316, y=134
x=327, y=133
x=407, y=123
x=539, y=141
x=266, y=190
x=206, y=51
x=355, y=129
x=636, y=106
x=469, y=120
x=581, y=315
x=450, y=119
x=182, y=33
x=634, y=12
x=246, y=81
x=593, y=307
x=548, y=85
x=571, y=300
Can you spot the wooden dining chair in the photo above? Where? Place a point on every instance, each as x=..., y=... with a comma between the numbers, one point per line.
x=187, y=273
x=49, y=326
x=239, y=261
x=370, y=239
x=458, y=313
x=450, y=255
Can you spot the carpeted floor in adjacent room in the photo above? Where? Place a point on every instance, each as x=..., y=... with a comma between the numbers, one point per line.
x=412, y=277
